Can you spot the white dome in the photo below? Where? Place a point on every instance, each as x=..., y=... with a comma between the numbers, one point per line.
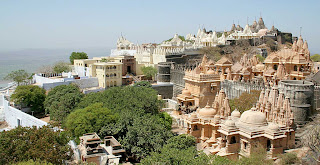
x=273, y=127
x=254, y=118
x=230, y=122
x=235, y=113
x=207, y=112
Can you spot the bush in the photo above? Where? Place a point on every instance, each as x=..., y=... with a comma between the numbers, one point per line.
x=245, y=101
x=289, y=158
x=315, y=58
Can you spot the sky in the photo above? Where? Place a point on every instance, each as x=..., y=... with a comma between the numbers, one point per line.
x=83, y=24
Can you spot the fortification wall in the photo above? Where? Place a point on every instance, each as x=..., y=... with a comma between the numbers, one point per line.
x=301, y=95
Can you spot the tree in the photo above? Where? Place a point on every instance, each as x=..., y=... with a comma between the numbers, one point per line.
x=315, y=58
x=144, y=136
x=25, y=143
x=31, y=96
x=182, y=150
x=18, y=76
x=62, y=100
x=149, y=71
x=45, y=69
x=245, y=101
x=213, y=53
x=60, y=67
x=89, y=119
x=143, y=84
x=258, y=157
x=261, y=59
x=77, y=55
x=311, y=140
x=272, y=44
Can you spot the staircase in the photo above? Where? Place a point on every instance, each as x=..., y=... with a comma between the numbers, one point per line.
x=135, y=78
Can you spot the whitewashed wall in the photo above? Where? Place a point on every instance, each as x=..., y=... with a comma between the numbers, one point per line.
x=12, y=115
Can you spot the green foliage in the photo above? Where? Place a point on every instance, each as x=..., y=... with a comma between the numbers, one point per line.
x=31, y=96
x=289, y=158
x=257, y=157
x=61, y=100
x=181, y=150
x=140, y=127
x=89, y=119
x=245, y=101
x=315, y=58
x=32, y=162
x=143, y=84
x=261, y=59
x=25, y=143
x=149, y=71
x=77, y=55
x=104, y=60
x=18, y=76
x=61, y=66
x=138, y=100
x=145, y=135
x=181, y=37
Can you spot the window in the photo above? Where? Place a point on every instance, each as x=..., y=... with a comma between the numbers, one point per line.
x=195, y=127
x=19, y=122
x=233, y=140
x=295, y=68
x=275, y=67
x=245, y=144
x=268, y=145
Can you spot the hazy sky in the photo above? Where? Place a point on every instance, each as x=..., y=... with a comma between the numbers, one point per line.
x=53, y=24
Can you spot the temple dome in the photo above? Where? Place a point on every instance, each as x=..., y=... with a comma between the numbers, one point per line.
x=254, y=118
x=230, y=122
x=235, y=114
x=273, y=127
x=186, y=92
x=207, y=112
x=210, y=71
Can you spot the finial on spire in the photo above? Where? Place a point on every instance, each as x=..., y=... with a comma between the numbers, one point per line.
x=260, y=15
x=300, y=31
x=247, y=20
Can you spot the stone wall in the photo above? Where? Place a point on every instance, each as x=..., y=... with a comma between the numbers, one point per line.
x=15, y=117
x=234, y=89
x=301, y=94
x=165, y=90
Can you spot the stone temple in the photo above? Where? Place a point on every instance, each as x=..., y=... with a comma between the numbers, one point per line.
x=204, y=112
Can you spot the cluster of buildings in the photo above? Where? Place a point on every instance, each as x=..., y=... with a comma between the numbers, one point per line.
x=204, y=112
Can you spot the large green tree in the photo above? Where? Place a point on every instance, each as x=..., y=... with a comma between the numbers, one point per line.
x=25, y=143
x=31, y=96
x=77, y=55
x=149, y=71
x=18, y=76
x=90, y=119
x=145, y=135
x=62, y=100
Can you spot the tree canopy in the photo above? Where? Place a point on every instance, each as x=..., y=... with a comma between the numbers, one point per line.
x=25, y=143
x=62, y=100
x=18, y=76
x=89, y=119
x=77, y=55
x=149, y=71
x=182, y=150
x=140, y=128
x=31, y=96
x=245, y=101
x=315, y=58
x=143, y=84
x=60, y=67
x=261, y=59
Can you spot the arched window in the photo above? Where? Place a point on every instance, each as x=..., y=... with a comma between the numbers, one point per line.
x=107, y=75
x=115, y=75
x=295, y=68
x=115, y=83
